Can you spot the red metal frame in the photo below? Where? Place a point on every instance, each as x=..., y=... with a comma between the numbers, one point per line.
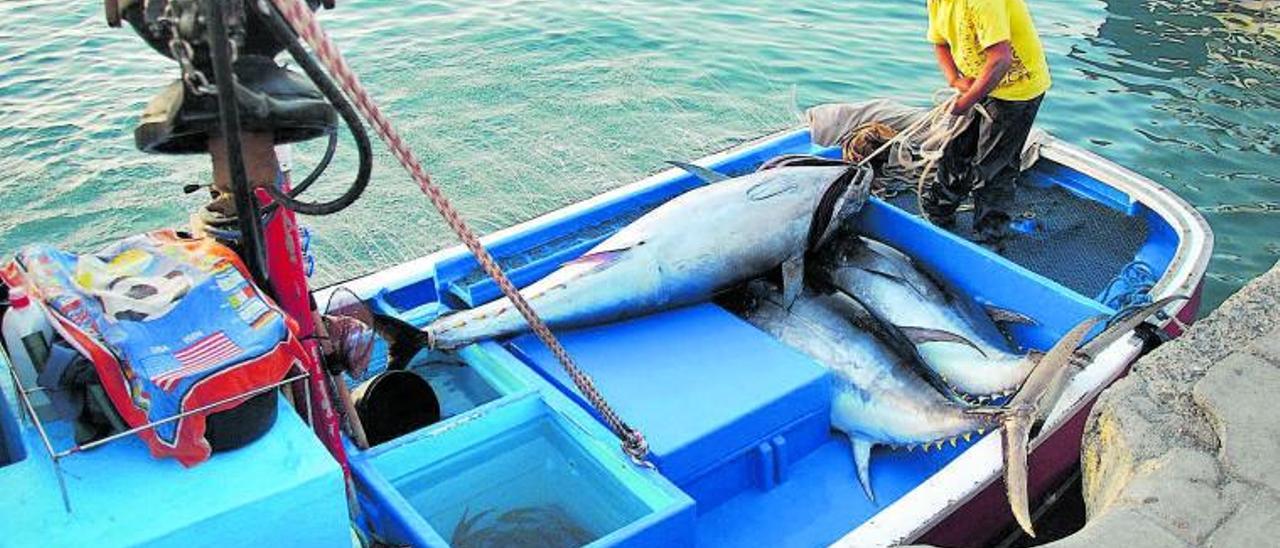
x=286, y=269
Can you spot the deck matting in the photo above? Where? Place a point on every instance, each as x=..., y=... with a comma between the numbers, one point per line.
x=1076, y=242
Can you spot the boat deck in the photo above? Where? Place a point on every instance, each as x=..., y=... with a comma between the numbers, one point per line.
x=739, y=422
x=1077, y=242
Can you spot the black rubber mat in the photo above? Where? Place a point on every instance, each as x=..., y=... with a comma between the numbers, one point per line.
x=1079, y=243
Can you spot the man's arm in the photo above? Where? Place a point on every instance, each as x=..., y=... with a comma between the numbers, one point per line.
x=949, y=70
x=999, y=59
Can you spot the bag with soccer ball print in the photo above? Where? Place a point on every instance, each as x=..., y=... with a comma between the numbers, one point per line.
x=170, y=323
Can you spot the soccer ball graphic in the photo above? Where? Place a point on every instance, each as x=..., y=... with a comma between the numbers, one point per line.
x=143, y=298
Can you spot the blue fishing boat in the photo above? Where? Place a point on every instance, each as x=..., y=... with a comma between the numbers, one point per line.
x=505, y=441
x=738, y=423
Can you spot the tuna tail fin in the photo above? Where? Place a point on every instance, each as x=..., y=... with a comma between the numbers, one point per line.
x=1014, y=441
x=1039, y=394
x=404, y=341
x=1029, y=406
x=862, y=460
x=706, y=175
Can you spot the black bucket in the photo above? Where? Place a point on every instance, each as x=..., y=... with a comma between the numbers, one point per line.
x=395, y=403
x=237, y=427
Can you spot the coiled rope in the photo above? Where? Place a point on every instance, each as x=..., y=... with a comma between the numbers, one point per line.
x=305, y=25
x=931, y=135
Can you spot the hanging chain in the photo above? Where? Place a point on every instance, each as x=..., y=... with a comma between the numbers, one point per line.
x=184, y=53
x=303, y=22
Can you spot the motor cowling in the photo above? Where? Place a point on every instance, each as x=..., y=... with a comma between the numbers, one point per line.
x=156, y=21
x=182, y=117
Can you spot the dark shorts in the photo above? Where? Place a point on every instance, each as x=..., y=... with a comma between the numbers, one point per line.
x=985, y=161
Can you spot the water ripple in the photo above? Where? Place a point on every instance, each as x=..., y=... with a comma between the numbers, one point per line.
x=520, y=107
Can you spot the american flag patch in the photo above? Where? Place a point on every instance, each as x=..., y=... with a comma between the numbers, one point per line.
x=204, y=354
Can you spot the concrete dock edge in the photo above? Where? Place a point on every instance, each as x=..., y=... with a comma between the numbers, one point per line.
x=1185, y=450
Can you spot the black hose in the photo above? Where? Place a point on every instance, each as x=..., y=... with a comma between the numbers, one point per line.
x=229, y=118
x=322, y=165
x=302, y=186
x=285, y=34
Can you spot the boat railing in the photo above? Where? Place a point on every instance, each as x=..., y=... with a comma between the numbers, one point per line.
x=28, y=412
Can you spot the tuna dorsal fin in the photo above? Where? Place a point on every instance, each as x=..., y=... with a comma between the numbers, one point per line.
x=922, y=335
x=862, y=460
x=707, y=175
x=1004, y=315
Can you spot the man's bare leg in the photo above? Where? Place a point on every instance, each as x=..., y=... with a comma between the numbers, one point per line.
x=260, y=166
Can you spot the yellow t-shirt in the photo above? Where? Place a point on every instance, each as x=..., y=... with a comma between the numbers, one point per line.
x=972, y=26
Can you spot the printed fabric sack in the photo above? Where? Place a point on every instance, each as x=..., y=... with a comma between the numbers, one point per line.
x=170, y=323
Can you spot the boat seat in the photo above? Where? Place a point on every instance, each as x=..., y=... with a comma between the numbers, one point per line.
x=723, y=405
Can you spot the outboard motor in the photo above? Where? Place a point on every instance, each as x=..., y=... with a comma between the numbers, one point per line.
x=235, y=102
x=274, y=105
x=183, y=116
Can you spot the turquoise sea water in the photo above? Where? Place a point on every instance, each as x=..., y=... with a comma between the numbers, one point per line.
x=519, y=107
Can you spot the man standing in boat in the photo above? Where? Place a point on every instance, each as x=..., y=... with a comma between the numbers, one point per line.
x=990, y=53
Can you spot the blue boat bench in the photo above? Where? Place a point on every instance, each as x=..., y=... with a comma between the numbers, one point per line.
x=721, y=404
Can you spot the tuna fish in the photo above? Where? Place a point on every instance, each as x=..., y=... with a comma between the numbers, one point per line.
x=683, y=252
x=956, y=337
x=879, y=397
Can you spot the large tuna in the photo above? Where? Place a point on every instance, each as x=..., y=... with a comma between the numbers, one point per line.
x=956, y=337
x=683, y=252
x=879, y=397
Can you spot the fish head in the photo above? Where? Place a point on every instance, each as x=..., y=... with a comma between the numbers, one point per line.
x=843, y=199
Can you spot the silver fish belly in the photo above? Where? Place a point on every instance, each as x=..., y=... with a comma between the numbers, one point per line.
x=953, y=334
x=680, y=253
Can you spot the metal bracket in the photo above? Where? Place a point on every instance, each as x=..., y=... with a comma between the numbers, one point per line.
x=57, y=455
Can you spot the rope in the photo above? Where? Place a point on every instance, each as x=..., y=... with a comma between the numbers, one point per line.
x=305, y=25
x=933, y=132
x=1130, y=290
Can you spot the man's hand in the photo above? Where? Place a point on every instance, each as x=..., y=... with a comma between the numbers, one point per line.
x=962, y=84
x=964, y=103
x=999, y=59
